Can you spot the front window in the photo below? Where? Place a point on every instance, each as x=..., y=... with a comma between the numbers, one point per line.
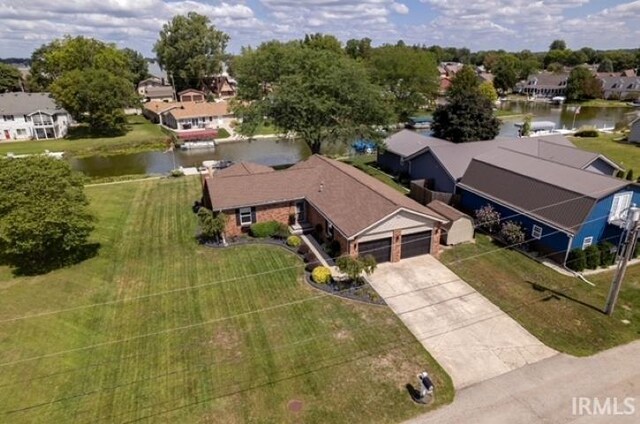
x=21, y=131
x=620, y=206
x=536, y=232
x=245, y=216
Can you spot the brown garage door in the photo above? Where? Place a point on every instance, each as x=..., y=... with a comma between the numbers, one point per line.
x=379, y=249
x=415, y=244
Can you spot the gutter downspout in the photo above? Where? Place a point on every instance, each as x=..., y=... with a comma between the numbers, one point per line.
x=566, y=255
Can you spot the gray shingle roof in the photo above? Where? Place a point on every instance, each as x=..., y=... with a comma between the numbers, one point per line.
x=407, y=143
x=558, y=194
x=547, y=80
x=351, y=199
x=26, y=103
x=159, y=91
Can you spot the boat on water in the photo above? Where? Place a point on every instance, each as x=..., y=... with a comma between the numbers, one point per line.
x=419, y=122
x=216, y=164
x=538, y=128
x=364, y=146
x=558, y=100
x=634, y=104
x=190, y=145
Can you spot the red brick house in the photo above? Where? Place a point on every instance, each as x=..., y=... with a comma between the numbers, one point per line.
x=364, y=215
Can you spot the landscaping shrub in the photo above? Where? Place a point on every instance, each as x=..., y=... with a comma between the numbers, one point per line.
x=592, y=257
x=577, y=260
x=487, y=218
x=354, y=267
x=321, y=275
x=630, y=175
x=586, y=132
x=511, y=232
x=607, y=255
x=294, y=241
x=177, y=173
x=265, y=229
x=620, y=174
x=332, y=248
x=303, y=249
x=282, y=232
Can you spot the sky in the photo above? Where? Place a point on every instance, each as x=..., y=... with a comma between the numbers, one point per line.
x=476, y=24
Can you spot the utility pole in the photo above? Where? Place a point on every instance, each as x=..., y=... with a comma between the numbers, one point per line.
x=632, y=227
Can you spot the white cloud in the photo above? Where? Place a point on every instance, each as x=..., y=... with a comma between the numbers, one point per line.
x=400, y=8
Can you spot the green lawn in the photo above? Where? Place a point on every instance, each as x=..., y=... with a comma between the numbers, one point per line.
x=366, y=163
x=601, y=103
x=142, y=135
x=194, y=335
x=563, y=312
x=625, y=154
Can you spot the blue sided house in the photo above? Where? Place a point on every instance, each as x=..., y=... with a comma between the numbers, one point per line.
x=560, y=206
x=442, y=163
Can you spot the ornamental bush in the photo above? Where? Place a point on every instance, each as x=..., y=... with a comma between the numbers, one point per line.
x=592, y=257
x=511, y=232
x=265, y=229
x=487, y=218
x=607, y=253
x=321, y=275
x=294, y=241
x=586, y=132
x=577, y=260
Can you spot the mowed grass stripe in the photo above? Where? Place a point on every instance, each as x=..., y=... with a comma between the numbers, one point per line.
x=265, y=358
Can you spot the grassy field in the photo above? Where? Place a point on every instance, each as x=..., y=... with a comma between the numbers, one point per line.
x=625, y=154
x=601, y=103
x=185, y=334
x=142, y=135
x=563, y=312
x=366, y=164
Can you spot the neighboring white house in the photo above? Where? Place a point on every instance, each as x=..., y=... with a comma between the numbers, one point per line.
x=149, y=82
x=634, y=134
x=26, y=116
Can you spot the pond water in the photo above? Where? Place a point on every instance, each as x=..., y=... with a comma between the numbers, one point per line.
x=275, y=152
x=271, y=152
x=561, y=115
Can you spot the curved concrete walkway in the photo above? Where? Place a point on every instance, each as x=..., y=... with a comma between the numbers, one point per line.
x=468, y=335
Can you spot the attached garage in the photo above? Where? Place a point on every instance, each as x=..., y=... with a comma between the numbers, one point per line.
x=379, y=249
x=415, y=244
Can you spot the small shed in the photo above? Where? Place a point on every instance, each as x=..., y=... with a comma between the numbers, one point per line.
x=634, y=135
x=458, y=229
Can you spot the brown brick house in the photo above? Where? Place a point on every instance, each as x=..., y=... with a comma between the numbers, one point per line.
x=340, y=202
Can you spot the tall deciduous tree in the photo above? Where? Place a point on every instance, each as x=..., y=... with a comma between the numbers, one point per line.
x=506, y=72
x=191, y=50
x=52, y=60
x=328, y=99
x=138, y=66
x=468, y=114
x=558, y=45
x=44, y=221
x=582, y=85
x=97, y=97
x=10, y=78
x=605, y=66
x=322, y=42
x=358, y=49
x=410, y=75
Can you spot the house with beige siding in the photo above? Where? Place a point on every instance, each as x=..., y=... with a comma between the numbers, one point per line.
x=334, y=200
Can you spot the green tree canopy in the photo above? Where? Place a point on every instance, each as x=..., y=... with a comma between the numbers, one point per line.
x=322, y=96
x=558, y=45
x=464, y=82
x=488, y=90
x=323, y=42
x=97, y=97
x=44, y=221
x=10, y=78
x=410, y=75
x=191, y=50
x=605, y=66
x=52, y=60
x=583, y=85
x=138, y=66
x=358, y=49
x=506, y=72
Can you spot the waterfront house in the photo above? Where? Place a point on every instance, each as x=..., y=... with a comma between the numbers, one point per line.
x=29, y=116
x=336, y=201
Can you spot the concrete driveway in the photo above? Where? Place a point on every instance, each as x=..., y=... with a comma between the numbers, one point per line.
x=468, y=335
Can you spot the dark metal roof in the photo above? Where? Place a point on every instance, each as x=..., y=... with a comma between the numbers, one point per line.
x=558, y=194
x=407, y=143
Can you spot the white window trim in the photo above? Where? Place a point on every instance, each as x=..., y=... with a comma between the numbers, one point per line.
x=588, y=241
x=329, y=230
x=620, y=206
x=243, y=214
x=536, y=232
